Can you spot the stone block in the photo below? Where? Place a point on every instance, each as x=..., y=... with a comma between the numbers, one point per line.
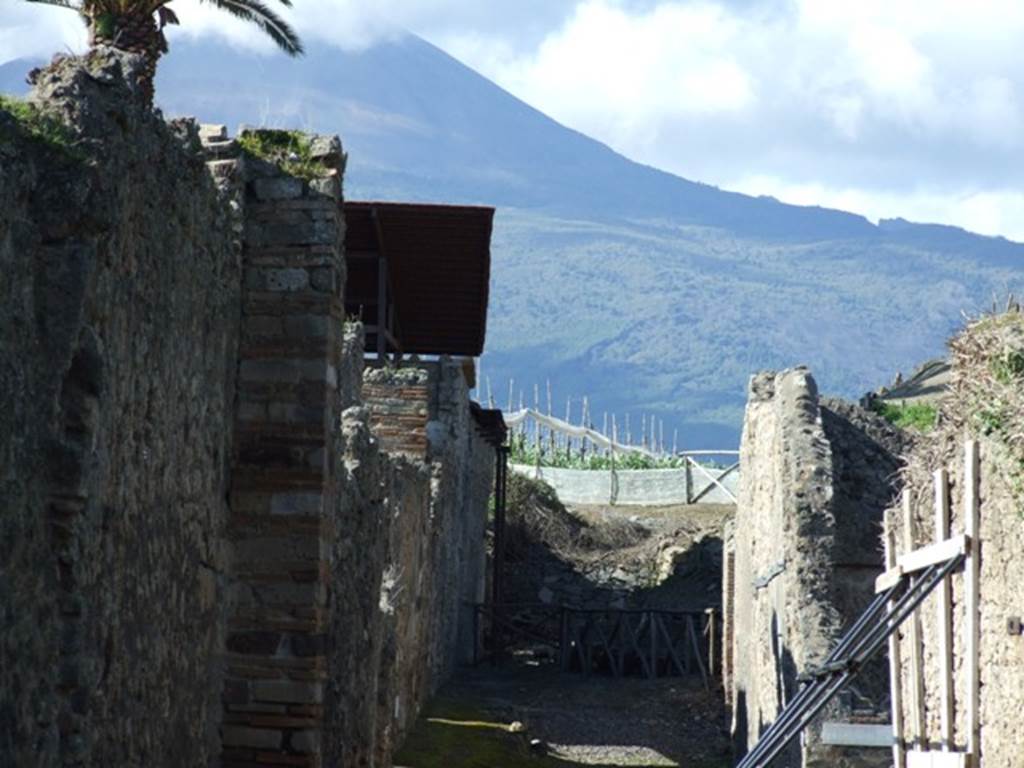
x=256, y=738
x=278, y=188
x=288, y=691
x=254, y=643
x=213, y=132
x=276, y=279
x=293, y=413
x=297, y=504
x=306, y=742
x=314, y=326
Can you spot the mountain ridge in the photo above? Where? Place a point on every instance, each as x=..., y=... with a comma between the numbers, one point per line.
x=641, y=289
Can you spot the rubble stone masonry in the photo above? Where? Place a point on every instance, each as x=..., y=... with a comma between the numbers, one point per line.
x=211, y=552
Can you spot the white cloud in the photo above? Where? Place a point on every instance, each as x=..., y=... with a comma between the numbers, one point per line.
x=878, y=106
x=611, y=71
x=988, y=212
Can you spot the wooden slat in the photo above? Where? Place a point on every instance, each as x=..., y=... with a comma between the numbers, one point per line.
x=889, y=579
x=914, y=637
x=922, y=759
x=856, y=735
x=895, y=666
x=940, y=552
x=972, y=625
x=696, y=651
x=944, y=614
x=710, y=477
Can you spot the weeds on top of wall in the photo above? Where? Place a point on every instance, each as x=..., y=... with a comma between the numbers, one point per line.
x=989, y=381
x=35, y=124
x=291, y=150
x=986, y=401
x=920, y=417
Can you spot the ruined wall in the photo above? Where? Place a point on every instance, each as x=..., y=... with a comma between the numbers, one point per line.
x=420, y=507
x=118, y=336
x=804, y=554
x=986, y=404
x=206, y=557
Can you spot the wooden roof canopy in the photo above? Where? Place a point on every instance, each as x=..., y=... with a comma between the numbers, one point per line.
x=418, y=276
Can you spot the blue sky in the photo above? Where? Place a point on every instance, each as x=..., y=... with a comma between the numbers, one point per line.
x=906, y=108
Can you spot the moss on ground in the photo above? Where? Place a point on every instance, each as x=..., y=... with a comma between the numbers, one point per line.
x=457, y=734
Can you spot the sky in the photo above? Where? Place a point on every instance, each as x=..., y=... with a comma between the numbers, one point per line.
x=888, y=108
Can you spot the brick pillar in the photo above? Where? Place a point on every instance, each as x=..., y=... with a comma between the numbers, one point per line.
x=283, y=472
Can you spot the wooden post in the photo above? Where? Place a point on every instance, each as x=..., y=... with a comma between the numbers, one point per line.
x=916, y=673
x=972, y=581
x=536, y=424
x=551, y=433
x=710, y=612
x=611, y=478
x=895, y=665
x=568, y=438
x=689, y=480
x=583, y=423
x=944, y=614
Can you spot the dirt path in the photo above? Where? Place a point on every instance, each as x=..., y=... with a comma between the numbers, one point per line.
x=578, y=721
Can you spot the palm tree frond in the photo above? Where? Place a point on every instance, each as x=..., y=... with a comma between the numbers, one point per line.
x=166, y=16
x=263, y=17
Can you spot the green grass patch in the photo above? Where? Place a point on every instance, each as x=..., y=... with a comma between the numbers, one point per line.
x=291, y=150
x=916, y=416
x=524, y=453
x=41, y=127
x=1008, y=367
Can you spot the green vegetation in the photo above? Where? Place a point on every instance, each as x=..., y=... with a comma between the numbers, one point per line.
x=917, y=416
x=989, y=356
x=673, y=319
x=292, y=150
x=1008, y=366
x=41, y=127
x=525, y=453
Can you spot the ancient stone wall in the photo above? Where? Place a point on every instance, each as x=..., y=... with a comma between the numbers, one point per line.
x=285, y=464
x=427, y=502
x=118, y=338
x=816, y=480
x=985, y=405
x=207, y=556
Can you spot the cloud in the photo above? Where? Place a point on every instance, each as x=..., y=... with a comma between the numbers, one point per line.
x=893, y=109
x=912, y=108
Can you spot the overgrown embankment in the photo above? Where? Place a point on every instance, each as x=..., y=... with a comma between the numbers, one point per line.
x=603, y=556
x=986, y=403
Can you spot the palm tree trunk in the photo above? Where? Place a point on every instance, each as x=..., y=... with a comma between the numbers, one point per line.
x=135, y=33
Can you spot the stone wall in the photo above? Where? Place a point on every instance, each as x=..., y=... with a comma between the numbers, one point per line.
x=430, y=501
x=207, y=556
x=285, y=465
x=118, y=337
x=803, y=555
x=986, y=405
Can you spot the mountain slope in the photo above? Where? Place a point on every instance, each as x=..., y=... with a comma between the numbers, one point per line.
x=641, y=289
